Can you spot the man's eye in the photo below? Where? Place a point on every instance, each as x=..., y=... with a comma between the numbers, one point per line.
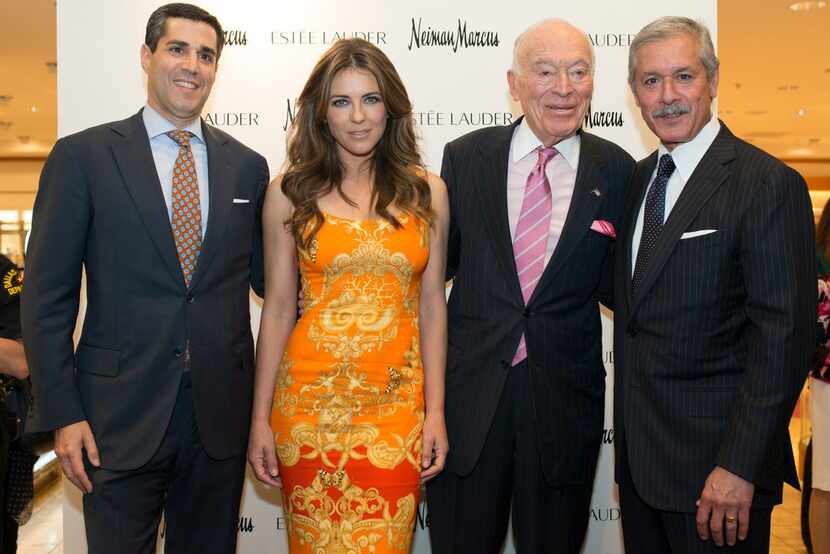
x=176, y=49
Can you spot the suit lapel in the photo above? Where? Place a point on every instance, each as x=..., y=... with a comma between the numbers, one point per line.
x=220, y=185
x=138, y=170
x=589, y=189
x=709, y=175
x=494, y=155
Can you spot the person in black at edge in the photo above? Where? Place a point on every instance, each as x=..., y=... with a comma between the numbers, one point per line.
x=16, y=464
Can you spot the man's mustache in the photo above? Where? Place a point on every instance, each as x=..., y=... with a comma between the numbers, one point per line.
x=672, y=109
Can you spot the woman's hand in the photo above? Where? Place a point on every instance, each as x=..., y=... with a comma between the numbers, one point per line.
x=262, y=454
x=435, y=446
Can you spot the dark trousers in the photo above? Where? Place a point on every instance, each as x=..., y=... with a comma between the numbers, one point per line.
x=198, y=495
x=6, y=529
x=469, y=514
x=647, y=529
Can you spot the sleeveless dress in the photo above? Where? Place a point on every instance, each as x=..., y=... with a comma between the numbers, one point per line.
x=349, y=407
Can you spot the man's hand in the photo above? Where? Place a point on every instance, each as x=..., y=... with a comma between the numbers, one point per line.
x=70, y=443
x=262, y=454
x=724, y=503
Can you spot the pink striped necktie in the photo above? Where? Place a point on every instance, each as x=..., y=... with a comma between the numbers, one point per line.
x=531, y=237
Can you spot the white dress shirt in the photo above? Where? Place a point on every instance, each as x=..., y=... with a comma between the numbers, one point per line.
x=561, y=173
x=686, y=157
x=165, y=151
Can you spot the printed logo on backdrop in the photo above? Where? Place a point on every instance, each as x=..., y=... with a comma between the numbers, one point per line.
x=610, y=40
x=236, y=38
x=317, y=37
x=232, y=119
x=281, y=523
x=605, y=514
x=246, y=524
x=452, y=37
x=608, y=355
x=603, y=119
x=422, y=516
x=608, y=436
x=433, y=118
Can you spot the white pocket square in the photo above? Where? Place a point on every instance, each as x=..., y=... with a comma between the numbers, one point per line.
x=241, y=201
x=700, y=233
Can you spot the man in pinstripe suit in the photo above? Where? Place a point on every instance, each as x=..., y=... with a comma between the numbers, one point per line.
x=715, y=307
x=525, y=384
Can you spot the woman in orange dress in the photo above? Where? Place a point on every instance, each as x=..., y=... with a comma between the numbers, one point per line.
x=348, y=413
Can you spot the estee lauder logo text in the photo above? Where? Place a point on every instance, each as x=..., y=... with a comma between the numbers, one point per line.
x=236, y=38
x=605, y=514
x=601, y=40
x=316, y=38
x=422, y=516
x=232, y=119
x=608, y=436
x=434, y=118
x=603, y=119
x=454, y=39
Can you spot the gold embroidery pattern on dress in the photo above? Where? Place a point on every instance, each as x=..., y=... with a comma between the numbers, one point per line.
x=285, y=401
x=353, y=523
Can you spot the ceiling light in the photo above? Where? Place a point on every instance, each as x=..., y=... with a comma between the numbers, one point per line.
x=808, y=5
x=802, y=112
x=801, y=152
x=34, y=109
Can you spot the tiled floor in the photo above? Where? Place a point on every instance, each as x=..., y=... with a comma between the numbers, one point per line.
x=44, y=532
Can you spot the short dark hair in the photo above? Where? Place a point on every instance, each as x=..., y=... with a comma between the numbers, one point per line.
x=157, y=24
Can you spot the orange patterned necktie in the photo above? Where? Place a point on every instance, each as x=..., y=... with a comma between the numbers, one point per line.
x=187, y=211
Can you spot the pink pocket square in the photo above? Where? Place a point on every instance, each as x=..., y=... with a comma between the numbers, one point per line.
x=604, y=228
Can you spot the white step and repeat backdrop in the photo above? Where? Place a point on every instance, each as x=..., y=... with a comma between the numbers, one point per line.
x=452, y=56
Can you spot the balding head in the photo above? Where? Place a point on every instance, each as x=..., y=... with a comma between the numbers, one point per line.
x=552, y=78
x=540, y=31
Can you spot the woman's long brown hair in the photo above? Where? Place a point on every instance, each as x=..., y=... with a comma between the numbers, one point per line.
x=314, y=168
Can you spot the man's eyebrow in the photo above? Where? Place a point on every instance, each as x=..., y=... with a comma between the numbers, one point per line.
x=184, y=44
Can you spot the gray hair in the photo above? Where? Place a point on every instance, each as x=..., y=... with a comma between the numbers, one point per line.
x=517, y=44
x=671, y=27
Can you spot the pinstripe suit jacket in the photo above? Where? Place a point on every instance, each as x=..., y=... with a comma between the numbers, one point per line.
x=487, y=314
x=713, y=348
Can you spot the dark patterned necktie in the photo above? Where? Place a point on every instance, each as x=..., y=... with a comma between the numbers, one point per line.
x=652, y=217
x=187, y=212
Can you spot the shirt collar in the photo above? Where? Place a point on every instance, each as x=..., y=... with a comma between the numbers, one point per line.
x=157, y=125
x=686, y=156
x=525, y=142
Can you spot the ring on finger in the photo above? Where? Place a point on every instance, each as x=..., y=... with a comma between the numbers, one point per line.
x=731, y=519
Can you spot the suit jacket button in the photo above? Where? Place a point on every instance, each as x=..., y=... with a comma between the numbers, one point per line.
x=189, y=298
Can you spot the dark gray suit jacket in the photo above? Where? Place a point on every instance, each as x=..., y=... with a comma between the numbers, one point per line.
x=712, y=350
x=100, y=207
x=487, y=314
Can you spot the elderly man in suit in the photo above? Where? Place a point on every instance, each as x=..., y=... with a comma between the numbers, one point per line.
x=715, y=312
x=533, y=207
x=151, y=412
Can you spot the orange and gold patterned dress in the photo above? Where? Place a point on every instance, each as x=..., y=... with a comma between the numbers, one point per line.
x=349, y=405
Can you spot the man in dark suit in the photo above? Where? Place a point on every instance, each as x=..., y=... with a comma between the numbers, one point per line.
x=151, y=412
x=715, y=311
x=533, y=209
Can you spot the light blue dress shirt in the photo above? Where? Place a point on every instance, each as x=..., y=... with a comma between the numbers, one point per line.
x=165, y=150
